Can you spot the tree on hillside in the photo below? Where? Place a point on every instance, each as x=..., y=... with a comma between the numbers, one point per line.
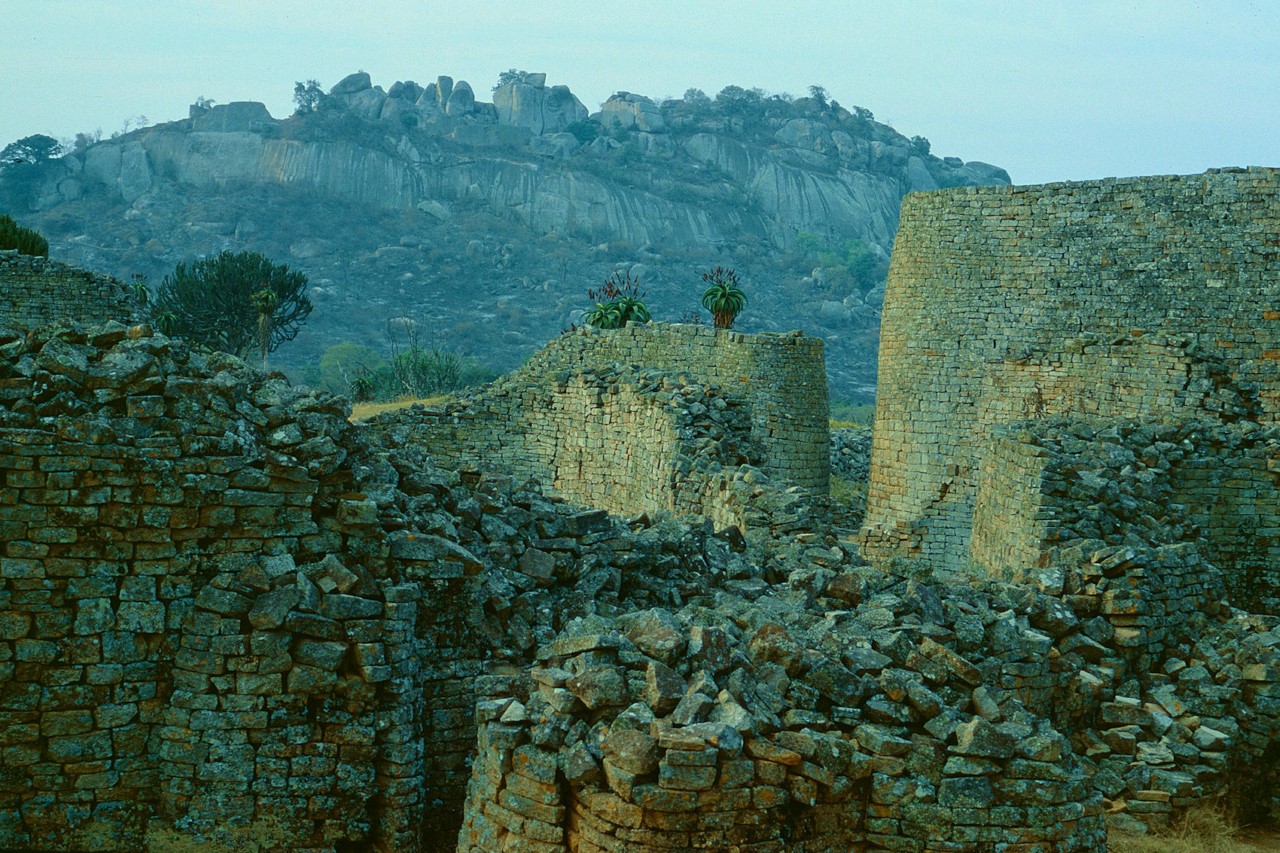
x=307, y=95
x=236, y=302
x=35, y=150
x=511, y=75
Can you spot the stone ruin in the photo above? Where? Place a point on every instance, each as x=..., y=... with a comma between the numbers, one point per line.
x=230, y=619
x=647, y=418
x=35, y=291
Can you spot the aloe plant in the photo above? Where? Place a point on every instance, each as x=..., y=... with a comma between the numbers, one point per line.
x=723, y=297
x=618, y=301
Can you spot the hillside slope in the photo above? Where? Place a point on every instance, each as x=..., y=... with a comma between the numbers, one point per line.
x=484, y=223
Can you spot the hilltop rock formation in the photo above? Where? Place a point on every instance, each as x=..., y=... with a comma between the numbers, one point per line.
x=558, y=197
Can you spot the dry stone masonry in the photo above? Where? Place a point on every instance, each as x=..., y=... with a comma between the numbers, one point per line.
x=232, y=620
x=35, y=291
x=1134, y=298
x=643, y=418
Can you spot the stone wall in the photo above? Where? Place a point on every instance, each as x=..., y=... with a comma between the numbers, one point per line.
x=35, y=291
x=1047, y=487
x=649, y=401
x=230, y=619
x=203, y=631
x=227, y=615
x=623, y=440
x=1141, y=297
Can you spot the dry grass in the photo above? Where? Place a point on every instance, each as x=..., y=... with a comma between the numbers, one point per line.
x=364, y=411
x=1202, y=830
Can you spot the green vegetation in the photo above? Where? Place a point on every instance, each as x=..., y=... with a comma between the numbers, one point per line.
x=847, y=266
x=26, y=241
x=236, y=302
x=30, y=149
x=723, y=297
x=617, y=302
x=511, y=75
x=846, y=414
x=415, y=370
x=307, y=96
x=849, y=493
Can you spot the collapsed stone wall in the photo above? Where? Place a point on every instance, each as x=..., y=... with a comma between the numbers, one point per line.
x=1047, y=487
x=1137, y=297
x=227, y=616
x=599, y=390
x=230, y=619
x=624, y=440
x=35, y=291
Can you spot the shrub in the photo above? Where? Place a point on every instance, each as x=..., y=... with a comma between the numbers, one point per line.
x=26, y=241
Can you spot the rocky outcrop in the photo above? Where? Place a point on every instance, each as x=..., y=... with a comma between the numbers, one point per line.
x=625, y=111
x=672, y=186
x=529, y=103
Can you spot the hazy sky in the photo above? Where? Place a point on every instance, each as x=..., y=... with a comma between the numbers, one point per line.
x=1050, y=90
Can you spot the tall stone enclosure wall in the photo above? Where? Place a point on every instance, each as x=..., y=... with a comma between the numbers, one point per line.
x=35, y=291
x=1144, y=297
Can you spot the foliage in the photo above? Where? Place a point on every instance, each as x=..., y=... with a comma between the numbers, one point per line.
x=35, y=150
x=235, y=302
x=617, y=302
x=848, y=266
x=511, y=75
x=25, y=240
x=584, y=130
x=921, y=145
x=307, y=95
x=723, y=297
x=84, y=140
x=846, y=414
x=736, y=100
x=141, y=292
x=350, y=368
x=819, y=94
x=421, y=368
x=697, y=98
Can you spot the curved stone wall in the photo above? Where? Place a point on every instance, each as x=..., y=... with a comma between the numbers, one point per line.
x=1139, y=297
x=642, y=418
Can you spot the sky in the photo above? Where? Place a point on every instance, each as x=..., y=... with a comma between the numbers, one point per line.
x=1049, y=89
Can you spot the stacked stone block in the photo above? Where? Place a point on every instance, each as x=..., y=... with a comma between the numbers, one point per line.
x=1138, y=297
x=35, y=291
x=1195, y=494
x=209, y=629
x=619, y=419
x=689, y=730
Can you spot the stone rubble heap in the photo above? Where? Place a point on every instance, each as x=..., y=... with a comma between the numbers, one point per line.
x=229, y=617
x=851, y=453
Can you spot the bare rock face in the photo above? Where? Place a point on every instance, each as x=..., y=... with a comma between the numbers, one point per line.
x=237, y=116
x=352, y=84
x=529, y=103
x=461, y=100
x=626, y=111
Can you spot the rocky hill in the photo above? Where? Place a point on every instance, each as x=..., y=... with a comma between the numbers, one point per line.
x=484, y=223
